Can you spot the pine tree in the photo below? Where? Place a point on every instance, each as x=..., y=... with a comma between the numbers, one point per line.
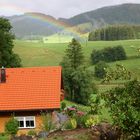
x=74, y=54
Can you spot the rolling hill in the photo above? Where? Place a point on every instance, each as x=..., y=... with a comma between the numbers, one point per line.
x=125, y=14
x=25, y=26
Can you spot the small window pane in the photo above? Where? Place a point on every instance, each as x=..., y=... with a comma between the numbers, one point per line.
x=32, y=123
x=27, y=123
x=21, y=123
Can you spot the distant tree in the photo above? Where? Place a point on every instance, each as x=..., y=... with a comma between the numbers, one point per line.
x=100, y=69
x=96, y=56
x=114, y=32
x=7, y=57
x=108, y=54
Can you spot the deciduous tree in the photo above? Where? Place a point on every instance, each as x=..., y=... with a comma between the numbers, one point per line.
x=7, y=57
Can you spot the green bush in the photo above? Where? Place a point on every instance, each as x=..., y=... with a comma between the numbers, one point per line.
x=124, y=104
x=63, y=106
x=47, y=121
x=109, y=54
x=32, y=133
x=96, y=56
x=70, y=124
x=11, y=127
x=81, y=121
x=100, y=69
x=2, y=134
x=91, y=121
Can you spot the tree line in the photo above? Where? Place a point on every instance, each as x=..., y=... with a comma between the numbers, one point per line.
x=115, y=32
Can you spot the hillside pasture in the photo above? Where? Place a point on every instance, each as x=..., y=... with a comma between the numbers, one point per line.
x=50, y=54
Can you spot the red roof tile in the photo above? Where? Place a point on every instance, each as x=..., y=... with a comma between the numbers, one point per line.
x=31, y=89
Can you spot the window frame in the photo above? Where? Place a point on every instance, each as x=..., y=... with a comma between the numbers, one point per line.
x=25, y=118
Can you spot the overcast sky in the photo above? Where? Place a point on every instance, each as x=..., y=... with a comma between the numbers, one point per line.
x=56, y=8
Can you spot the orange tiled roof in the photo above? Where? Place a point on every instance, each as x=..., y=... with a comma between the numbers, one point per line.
x=31, y=89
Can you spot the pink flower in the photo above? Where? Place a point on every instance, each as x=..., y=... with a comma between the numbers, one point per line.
x=72, y=109
x=80, y=113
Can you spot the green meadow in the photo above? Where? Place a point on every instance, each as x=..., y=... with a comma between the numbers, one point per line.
x=50, y=54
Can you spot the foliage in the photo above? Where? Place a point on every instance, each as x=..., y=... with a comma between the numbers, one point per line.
x=78, y=81
x=108, y=54
x=72, y=60
x=71, y=111
x=124, y=103
x=96, y=56
x=115, y=32
x=100, y=69
x=11, y=127
x=70, y=124
x=81, y=120
x=7, y=57
x=32, y=133
x=74, y=54
x=91, y=121
x=83, y=86
x=94, y=104
x=63, y=106
x=47, y=121
x=119, y=73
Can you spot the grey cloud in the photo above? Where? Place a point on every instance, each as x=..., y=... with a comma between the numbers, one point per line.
x=60, y=8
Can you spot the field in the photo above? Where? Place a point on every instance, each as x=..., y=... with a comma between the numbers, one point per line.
x=50, y=54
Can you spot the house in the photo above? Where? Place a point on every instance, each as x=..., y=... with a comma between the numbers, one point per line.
x=26, y=92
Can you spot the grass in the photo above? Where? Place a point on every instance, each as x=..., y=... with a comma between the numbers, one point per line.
x=50, y=54
x=57, y=38
x=4, y=137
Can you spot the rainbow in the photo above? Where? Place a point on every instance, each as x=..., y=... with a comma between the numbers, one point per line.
x=38, y=16
x=60, y=24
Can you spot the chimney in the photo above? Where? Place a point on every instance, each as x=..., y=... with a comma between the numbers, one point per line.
x=3, y=75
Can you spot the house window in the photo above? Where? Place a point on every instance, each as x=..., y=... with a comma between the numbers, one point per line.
x=26, y=122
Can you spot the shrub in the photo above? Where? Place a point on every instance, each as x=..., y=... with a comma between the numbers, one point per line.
x=47, y=121
x=2, y=134
x=71, y=124
x=81, y=121
x=91, y=121
x=108, y=54
x=124, y=104
x=32, y=133
x=71, y=111
x=114, y=53
x=11, y=127
x=100, y=69
x=63, y=106
x=96, y=56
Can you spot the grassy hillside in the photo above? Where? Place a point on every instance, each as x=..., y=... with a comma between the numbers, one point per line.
x=49, y=54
